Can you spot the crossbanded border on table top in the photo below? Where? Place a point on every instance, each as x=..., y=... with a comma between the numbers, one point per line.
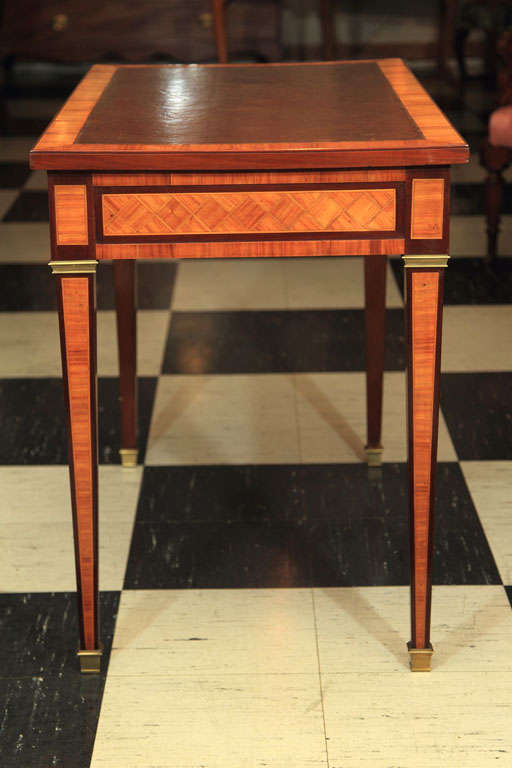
x=442, y=145
x=245, y=212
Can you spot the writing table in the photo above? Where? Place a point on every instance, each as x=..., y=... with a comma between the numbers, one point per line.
x=243, y=161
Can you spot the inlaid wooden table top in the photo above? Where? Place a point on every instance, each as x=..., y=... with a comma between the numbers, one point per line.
x=321, y=115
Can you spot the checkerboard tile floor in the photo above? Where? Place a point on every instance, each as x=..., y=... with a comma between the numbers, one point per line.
x=253, y=571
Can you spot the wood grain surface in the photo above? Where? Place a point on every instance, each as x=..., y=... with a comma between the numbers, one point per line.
x=427, y=207
x=125, y=285
x=231, y=179
x=424, y=297
x=79, y=357
x=71, y=214
x=246, y=249
x=336, y=210
x=282, y=116
x=375, y=322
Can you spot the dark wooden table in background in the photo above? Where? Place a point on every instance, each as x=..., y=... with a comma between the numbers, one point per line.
x=278, y=160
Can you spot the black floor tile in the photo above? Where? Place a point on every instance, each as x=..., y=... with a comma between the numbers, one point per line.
x=30, y=205
x=49, y=710
x=216, y=556
x=244, y=526
x=222, y=494
x=276, y=341
x=32, y=415
x=467, y=121
x=477, y=408
x=27, y=287
x=33, y=125
x=13, y=175
x=361, y=533
x=471, y=281
x=469, y=199
x=155, y=285
x=109, y=414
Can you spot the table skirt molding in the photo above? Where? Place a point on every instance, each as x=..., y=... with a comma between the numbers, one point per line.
x=249, y=215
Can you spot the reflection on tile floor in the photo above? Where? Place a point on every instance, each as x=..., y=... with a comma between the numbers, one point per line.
x=260, y=569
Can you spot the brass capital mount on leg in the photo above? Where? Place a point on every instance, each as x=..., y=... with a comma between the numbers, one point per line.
x=373, y=456
x=90, y=661
x=426, y=261
x=128, y=457
x=420, y=658
x=82, y=266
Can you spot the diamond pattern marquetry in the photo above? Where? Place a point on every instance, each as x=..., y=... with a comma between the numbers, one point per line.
x=333, y=210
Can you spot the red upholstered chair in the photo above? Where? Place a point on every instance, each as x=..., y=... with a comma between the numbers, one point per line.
x=496, y=150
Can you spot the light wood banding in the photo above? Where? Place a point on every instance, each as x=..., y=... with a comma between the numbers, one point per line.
x=339, y=210
x=76, y=313
x=436, y=142
x=217, y=179
x=427, y=209
x=71, y=214
x=247, y=250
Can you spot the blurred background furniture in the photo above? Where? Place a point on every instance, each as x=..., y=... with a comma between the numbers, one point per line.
x=159, y=30
x=496, y=149
x=489, y=18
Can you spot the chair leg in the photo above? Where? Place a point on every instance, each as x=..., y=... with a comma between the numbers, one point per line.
x=375, y=315
x=328, y=28
x=493, y=199
x=77, y=319
x=126, y=312
x=495, y=160
x=424, y=292
x=219, y=22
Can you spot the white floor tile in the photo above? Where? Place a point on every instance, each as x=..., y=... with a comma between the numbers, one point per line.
x=214, y=632
x=332, y=283
x=366, y=629
x=331, y=410
x=151, y=335
x=7, y=198
x=37, y=533
x=23, y=242
x=468, y=173
x=228, y=721
x=15, y=149
x=378, y=714
x=316, y=283
x=30, y=343
x=38, y=180
x=276, y=418
x=230, y=285
x=468, y=236
x=235, y=419
x=490, y=485
x=477, y=338
x=473, y=172
x=418, y=720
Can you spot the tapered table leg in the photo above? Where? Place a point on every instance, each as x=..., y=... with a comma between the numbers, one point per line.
x=424, y=303
x=375, y=313
x=126, y=313
x=77, y=319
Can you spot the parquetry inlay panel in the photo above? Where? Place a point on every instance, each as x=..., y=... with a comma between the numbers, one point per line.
x=337, y=210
